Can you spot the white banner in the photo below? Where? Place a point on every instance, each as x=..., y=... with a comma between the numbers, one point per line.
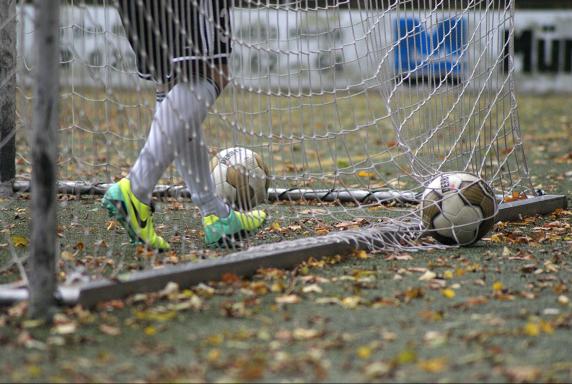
x=323, y=51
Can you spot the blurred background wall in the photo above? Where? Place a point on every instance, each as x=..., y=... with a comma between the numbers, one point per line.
x=95, y=51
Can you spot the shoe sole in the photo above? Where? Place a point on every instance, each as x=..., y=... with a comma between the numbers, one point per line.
x=230, y=241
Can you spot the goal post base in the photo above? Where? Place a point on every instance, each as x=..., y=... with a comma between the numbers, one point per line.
x=537, y=205
x=246, y=263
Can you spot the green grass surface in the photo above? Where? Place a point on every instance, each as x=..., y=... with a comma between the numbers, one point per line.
x=498, y=311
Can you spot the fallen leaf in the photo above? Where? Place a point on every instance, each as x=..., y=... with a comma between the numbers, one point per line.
x=110, y=330
x=313, y=288
x=406, y=356
x=288, y=299
x=377, y=370
x=367, y=174
x=20, y=241
x=67, y=256
x=230, y=278
x=399, y=256
x=429, y=275
x=305, y=334
x=522, y=374
x=531, y=329
x=150, y=330
x=361, y=254
x=351, y=302
x=65, y=329
x=364, y=352
x=448, y=293
x=497, y=287
x=435, y=365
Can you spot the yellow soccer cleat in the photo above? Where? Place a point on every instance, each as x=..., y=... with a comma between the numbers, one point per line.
x=136, y=217
x=219, y=229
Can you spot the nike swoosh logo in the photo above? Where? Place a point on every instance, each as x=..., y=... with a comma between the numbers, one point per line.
x=142, y=223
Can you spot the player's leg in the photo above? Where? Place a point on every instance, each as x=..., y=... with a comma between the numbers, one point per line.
x=213, y=44
x=190, y=102
x=176, y=134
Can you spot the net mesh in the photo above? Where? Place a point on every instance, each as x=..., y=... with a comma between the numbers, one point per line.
x=354, y=106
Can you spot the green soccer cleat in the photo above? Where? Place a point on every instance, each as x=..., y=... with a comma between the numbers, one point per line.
x=219, y=229
x=136, y=217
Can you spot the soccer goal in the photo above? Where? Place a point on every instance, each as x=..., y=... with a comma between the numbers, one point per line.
x=353, y=106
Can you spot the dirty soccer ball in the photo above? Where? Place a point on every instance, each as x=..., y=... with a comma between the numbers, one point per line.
x=241, y=177
x=458, y=208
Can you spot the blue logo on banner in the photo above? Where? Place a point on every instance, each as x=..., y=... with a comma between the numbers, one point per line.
x=437, y=54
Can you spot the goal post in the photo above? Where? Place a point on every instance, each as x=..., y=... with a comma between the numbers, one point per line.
x=354, y=106
x=44, y=144
x=7, y=97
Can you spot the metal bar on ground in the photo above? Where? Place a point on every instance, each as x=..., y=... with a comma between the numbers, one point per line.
x=246, y=263
x=274, y=194
x=539, y=205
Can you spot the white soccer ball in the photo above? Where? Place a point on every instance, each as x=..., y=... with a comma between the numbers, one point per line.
x=458, y=208
x=240, y=177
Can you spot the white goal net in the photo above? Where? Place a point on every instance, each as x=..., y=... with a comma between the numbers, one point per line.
x=354, y=106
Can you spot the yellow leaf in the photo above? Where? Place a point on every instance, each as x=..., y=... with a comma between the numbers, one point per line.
x=362, y=255
x=150, y=330
x=435, y=365
x=546, y=327
x=448, y=275
x=275, y=226
x=498, y=286
x=20, y=241
x=277, y=287
x=406, y=357
x=364, y=352
x=34, y=371
x=532, y=329
x=213, y=355
x=33, y=323
x=351, y=302
x=215, y=339
x=367, y=174
x=448, y=293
